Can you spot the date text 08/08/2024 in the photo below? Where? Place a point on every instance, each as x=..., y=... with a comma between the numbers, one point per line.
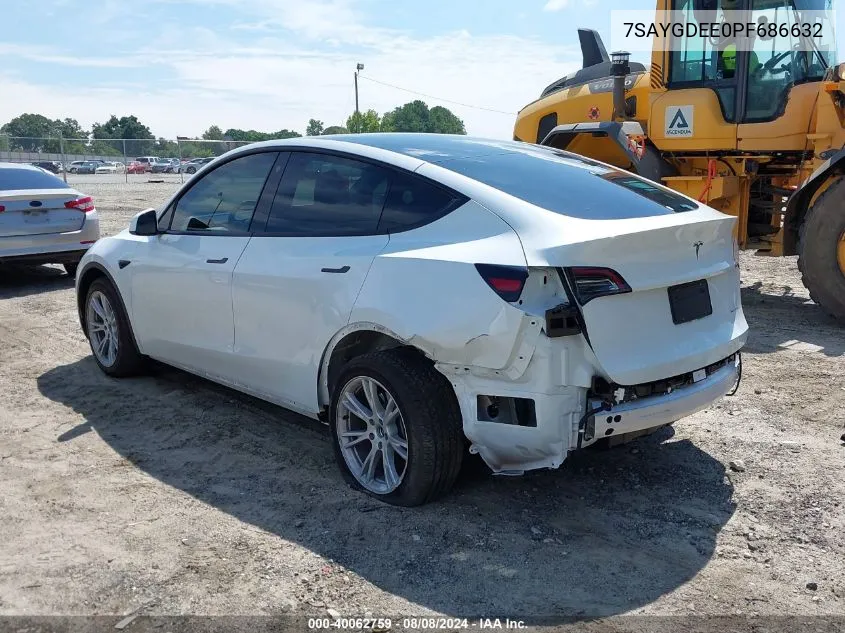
x=414, y=623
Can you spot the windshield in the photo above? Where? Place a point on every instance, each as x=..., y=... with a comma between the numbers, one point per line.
x=780, y=52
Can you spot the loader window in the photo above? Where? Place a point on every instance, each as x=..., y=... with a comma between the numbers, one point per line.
x=699, y=63
x=777, y=63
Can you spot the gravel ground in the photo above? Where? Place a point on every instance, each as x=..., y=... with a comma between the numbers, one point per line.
x=168, y=495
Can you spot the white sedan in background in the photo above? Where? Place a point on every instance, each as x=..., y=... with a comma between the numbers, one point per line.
x=425, y=294
x=111, y=168
x=42, y=219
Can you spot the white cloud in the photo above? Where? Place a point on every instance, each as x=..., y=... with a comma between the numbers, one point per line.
x=50, y=56
x=285, y=62
x=556, y=5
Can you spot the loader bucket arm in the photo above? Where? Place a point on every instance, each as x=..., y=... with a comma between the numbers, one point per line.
x=619, y=144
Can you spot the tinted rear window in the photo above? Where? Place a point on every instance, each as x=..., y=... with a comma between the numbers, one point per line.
x=33, y=178
x=568, y=185
x=413, y=202
x=560, y=181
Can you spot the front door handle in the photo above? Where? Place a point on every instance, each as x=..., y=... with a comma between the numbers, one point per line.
x=345, y=269
x=217, y=261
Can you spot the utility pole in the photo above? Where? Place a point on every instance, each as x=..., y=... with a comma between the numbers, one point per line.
x=358, y=68
x=64, y=157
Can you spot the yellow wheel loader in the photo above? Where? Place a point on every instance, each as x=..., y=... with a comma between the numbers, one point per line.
x=758, y=134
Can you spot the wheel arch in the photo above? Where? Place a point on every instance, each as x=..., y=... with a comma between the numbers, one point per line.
x=804, y=197
x=350, y=342
x=87, y=276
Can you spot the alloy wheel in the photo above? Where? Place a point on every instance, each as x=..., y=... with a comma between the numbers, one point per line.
x=102, y=328
x=372, y=435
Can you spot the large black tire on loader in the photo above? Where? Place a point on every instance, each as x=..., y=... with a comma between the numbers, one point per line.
x=821, y=250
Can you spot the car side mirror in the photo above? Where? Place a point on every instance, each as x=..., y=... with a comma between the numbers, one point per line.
x=144, y=223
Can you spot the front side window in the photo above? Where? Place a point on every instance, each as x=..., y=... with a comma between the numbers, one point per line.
x=224, y=200
x=328, y=195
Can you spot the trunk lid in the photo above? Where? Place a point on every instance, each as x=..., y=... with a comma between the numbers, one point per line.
x=635, y=336
x=39, y=211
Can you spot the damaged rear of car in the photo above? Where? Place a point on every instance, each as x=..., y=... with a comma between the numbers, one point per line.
x=572, y=302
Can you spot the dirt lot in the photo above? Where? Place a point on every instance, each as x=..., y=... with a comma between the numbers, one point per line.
x=167, y=494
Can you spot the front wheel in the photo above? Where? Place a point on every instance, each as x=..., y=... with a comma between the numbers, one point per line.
x=821, y=250
x=109, y=331
x=396, y=427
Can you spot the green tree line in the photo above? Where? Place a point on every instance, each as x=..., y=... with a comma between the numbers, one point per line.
x=127, y=134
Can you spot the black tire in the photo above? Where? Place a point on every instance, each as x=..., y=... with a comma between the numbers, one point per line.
x=822, y=230
x=191, y=170
x=432, y=420
x=70, y=268
x=128, y=361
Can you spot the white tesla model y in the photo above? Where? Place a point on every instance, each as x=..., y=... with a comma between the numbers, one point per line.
x=426, y=295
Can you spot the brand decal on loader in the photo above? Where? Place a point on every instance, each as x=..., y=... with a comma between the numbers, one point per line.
x=679, y=121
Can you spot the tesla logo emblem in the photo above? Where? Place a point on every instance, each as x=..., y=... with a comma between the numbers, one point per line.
x=697, y=247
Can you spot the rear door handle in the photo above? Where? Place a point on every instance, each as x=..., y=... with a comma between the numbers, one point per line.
x=217, y=261
x=345, y=269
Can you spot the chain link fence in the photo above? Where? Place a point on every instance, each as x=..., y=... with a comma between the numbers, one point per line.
x=113, y=160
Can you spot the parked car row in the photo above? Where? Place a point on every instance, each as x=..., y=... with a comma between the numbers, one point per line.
x=141, y=165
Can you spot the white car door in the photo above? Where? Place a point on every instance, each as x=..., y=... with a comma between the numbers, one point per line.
x=295, y=285
x=182, y=277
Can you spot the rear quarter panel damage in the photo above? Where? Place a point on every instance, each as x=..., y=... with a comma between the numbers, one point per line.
x=424, y=287
x=481, y=343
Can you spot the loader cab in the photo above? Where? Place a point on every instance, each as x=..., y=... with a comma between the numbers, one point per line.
x=729, y=90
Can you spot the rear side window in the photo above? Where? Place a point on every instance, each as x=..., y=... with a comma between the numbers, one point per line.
x=567, y=184
x=224, y=200
x=28, y=178
x=413, y=202
x=328, y=195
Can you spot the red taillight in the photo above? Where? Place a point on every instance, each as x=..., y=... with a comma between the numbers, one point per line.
x=86, y=204
x=2, y=208
x=592, y=282
x=506, y=281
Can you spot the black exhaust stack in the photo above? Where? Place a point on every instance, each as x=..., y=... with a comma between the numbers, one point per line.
x=619, y=68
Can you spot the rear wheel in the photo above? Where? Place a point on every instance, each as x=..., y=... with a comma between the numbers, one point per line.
x=191, y=170
x=109, y=331
x=396, y=427
x=821, y=250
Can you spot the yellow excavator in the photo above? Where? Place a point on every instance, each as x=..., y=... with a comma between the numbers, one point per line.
x=758, y=134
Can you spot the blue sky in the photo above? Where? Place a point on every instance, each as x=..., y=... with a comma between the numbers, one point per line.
x=182, y=65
